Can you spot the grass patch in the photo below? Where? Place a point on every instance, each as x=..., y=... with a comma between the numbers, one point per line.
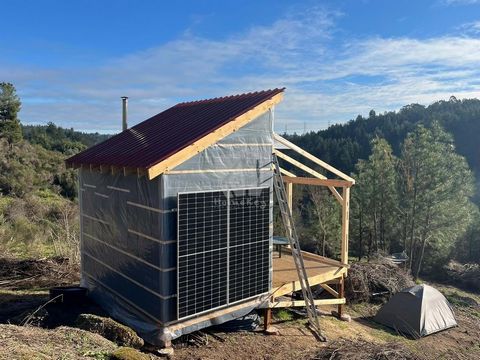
x=283, y=315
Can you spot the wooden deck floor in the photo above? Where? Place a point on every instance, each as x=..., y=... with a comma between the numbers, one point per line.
x=319, y=270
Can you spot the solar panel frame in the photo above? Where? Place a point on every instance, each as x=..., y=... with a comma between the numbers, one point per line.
x=228, y=252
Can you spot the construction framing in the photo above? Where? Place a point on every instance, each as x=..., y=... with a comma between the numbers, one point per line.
x=329, y=271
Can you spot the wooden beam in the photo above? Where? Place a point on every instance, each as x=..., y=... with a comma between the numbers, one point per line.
x=313, y=158
x=177, y=325
x=311, y=256
x=72, y=166
x=267, y=318
x=319, y=182
x=299, y=164
x=289, y=190
x=330, y=290
x=104, y=169
x=210, y=139
x=308, y=170
x=115, y=170
x=286, y=172
x=301, y=303
x=341, y=293
x=345, y=221
x=204, y=171
x=293, y=286
x=129, y=171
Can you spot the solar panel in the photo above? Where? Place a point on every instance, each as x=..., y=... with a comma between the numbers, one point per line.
x=248, y=243
x=202, y=251
x=223, y=248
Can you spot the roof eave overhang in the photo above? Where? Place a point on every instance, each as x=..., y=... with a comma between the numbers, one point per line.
x=191, y=150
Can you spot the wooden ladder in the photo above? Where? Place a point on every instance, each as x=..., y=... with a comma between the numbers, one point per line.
x=296, y=252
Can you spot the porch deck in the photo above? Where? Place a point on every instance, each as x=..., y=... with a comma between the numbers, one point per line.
x=319, y=270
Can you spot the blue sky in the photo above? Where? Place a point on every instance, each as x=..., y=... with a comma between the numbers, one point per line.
x=72, y=60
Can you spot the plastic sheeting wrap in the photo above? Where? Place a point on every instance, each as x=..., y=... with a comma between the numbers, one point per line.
x=129, y=229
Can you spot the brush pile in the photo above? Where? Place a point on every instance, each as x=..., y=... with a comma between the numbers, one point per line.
x=363, y=350
x=18, y=274
x=375, y=281
x=466, y=276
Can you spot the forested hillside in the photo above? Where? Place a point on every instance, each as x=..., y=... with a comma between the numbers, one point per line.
x=343, y=144
x=415, y=191
x=38, y=195
x=66, y=141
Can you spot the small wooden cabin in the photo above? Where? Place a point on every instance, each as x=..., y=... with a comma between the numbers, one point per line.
x=177, y=218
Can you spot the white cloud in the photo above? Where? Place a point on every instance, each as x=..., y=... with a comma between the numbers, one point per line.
x=326, y=81
x=459, y=2
x=471, y=28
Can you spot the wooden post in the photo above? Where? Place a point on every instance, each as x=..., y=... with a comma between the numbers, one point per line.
x=345, y=219
x=289, y=189
x=267, y=318
x=341, y=294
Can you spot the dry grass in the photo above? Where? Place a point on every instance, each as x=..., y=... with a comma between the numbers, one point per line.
x=18, y=274
x=363, y=350
x=24, y=342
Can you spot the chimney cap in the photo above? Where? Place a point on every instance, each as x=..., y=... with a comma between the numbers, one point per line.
x=124, y=97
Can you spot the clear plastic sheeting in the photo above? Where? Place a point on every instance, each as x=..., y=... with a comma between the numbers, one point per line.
x=129, y=229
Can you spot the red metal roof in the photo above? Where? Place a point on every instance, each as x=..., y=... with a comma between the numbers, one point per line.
x=164, y=134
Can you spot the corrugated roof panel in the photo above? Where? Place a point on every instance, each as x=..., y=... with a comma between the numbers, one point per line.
x=170, y=131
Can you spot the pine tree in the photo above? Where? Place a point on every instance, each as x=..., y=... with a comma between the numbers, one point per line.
x=436, y=189
x=10, y=104
x=375, y=197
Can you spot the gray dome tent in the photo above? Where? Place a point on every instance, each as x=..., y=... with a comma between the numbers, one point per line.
x=417, y=311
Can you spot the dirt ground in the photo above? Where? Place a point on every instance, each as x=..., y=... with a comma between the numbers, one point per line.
x=359, y=339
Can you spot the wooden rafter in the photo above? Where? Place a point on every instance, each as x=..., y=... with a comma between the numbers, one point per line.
x=313, y=158
x=345, y=182
x=309, y=171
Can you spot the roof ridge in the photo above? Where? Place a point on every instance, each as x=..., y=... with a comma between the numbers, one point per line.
x=221, y=98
